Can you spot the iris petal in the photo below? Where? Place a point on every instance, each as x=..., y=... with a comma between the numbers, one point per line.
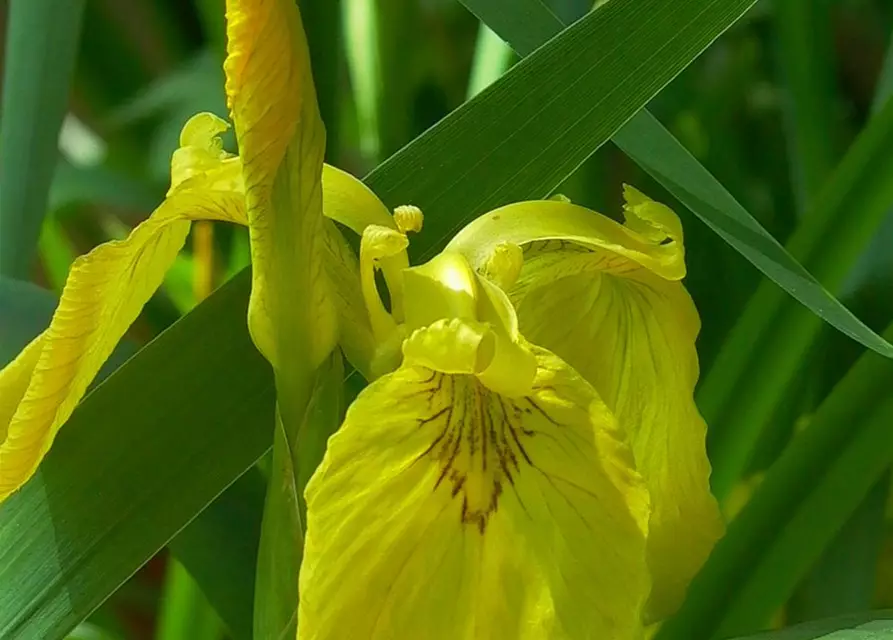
x=281, y=143
x=104, y=293
x=445, y=510
x=607, y=299
x=632, y=336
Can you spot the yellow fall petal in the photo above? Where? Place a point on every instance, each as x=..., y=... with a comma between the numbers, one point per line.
x=605, y=297
x=104, y=293
x=633, y=338
x=281, y=140
x=445, y=510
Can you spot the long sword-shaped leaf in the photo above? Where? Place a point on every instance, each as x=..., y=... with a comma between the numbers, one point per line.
x=132, y=469
x=179, y=422
x=229, y=528
x=655, y=149
x=41, y=47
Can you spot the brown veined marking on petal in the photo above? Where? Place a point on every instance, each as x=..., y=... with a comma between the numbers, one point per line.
x=549, y=478
x=477, y=441
x=605, y=260
x=544, y=246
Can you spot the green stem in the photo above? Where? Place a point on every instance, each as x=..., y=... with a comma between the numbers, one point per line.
x=298, y=446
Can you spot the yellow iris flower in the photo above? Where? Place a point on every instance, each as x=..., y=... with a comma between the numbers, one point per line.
x=527, y=462
x=628, y=326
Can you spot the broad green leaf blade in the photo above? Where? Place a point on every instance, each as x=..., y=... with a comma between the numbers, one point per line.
x=41, y=47
x=107, y=498
x=524, y=25
x=655, y=149
x=229, y=528
x=808, y=494
x=101, y=185
x=360, y=20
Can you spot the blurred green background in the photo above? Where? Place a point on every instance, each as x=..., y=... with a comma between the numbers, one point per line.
x=769, y=109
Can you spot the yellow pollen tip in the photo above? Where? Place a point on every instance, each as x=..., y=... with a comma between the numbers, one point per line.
x=408, y=218
x=381, y=242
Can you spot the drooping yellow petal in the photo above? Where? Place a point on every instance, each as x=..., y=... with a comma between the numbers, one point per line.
x=281, y=139
x=105, y=292
x=633, y=338
x=445, y=510
x=605, y=297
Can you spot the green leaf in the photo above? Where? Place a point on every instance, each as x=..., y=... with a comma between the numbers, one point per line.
x=844, y=580
x=806, y=54
x=100, y=185
x=41, y=47
x=185, y=613
x=492, y=57
x=25, y=310
x=653, y=148
x=107, y=498
x=884, y=88
x=378, y=35
x=808, y=494
x=744, y=387
x=229, y=528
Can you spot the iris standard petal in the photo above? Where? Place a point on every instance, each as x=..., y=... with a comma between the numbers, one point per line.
x=282, y=141
x=104, y=293
x=632, y=336
x=605, y=297
x=445, y=510
x=348, y=201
